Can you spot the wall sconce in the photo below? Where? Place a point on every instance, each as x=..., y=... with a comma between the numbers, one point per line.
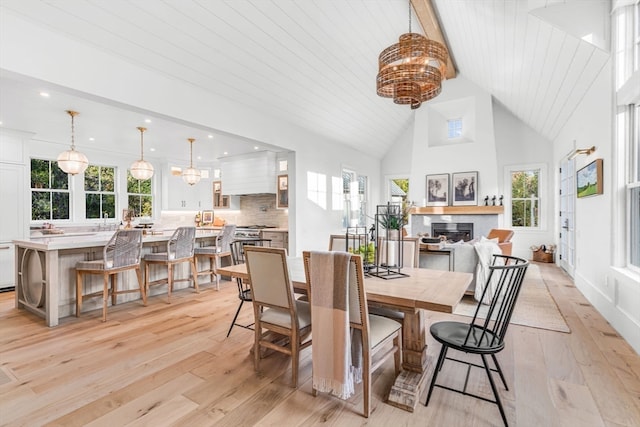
x=575, y=153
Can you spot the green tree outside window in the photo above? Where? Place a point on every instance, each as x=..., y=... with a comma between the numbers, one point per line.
x=139, y=195
x=100, y=197
x=49, y=191
x=525, y=202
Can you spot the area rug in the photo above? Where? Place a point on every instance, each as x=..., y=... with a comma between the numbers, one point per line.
x=535, y=306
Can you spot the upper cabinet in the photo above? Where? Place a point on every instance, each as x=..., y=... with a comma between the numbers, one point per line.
x=178, y=195
x=224, y=201
x=253, y=173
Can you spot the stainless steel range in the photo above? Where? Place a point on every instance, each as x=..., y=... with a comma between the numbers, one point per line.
x=250, y=231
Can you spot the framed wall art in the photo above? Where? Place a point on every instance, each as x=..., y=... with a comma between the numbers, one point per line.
x=589, y=179
x=207, y=217
x=438, y=190
x=283, y=192
x=465, y=188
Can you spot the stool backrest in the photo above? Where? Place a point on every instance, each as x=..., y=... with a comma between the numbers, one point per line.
x=181, y=243
x=226, y=237
x=123, y=249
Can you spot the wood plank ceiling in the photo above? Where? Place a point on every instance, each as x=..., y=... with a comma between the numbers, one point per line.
x=314, y=62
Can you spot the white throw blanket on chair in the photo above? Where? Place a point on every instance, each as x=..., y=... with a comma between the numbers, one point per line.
x=485, y=250
x=333, y=344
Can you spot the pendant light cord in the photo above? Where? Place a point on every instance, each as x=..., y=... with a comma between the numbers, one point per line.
x=141, y=129
x=191, y=152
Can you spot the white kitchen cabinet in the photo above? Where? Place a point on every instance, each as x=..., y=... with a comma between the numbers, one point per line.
x=181, y=196
x=13, y=225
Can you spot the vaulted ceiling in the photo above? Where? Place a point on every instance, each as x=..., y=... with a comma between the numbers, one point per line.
x=314, y=62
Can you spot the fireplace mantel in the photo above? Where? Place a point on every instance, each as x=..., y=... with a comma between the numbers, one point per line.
x=457, y=210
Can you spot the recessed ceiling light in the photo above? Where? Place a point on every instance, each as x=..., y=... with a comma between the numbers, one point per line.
x=256, y=147
x=152, y=149
x=225, y=153
x=0, y=123
x=210, y=136
x=92, y=139
x=147, y=120
x=199, y=157
x=44, y=94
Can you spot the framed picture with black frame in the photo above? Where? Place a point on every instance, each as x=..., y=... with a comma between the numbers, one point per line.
x=438, y=190
x=465, y=188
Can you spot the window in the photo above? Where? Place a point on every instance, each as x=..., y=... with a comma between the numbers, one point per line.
x=525, y=198
x=634, y=186
x=139, y=195
x=49, y=191
x=627, y=66
x=454, y=128
x=354, y=188
x=100, y=196
x=317, y=188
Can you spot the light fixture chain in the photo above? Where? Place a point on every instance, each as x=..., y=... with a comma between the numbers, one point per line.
x=73, y=140
x=409, y=1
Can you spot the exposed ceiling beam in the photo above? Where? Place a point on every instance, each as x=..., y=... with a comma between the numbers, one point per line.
x=429, y=22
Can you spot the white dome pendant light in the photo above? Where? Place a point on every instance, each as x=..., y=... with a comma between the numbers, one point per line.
x=191, y=175
x=71, y=161
x=141, y=169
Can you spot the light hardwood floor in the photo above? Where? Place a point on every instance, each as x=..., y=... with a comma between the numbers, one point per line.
x=172, y=365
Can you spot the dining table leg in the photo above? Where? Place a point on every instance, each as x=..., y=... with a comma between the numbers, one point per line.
x=408, y=385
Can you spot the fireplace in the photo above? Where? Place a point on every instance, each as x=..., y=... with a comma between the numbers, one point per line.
x=454, y=231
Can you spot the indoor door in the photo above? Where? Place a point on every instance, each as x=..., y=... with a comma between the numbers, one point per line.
x=566, y=251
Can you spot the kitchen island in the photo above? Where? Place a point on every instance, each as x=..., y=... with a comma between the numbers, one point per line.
x=45, y=270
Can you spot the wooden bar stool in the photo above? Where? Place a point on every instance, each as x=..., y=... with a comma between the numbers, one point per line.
x=215, y=253
x=122, y=253
x=179, y=250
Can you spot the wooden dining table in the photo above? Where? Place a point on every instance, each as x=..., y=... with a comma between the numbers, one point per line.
x=421, y=289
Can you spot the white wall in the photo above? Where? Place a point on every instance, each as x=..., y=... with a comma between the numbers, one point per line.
x=614, y=292
x=479, y=155
x=499, y=139
x=519, y=145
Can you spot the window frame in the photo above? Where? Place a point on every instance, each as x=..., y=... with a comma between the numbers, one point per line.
x=139, y=195
x=627, y=141
x=101, y=192
x=454, y=126
x=363, y=193
x=50, y=191
x=542, y=195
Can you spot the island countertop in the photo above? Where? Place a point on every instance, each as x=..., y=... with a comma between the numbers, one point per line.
x=93, y=239
x=45, y=268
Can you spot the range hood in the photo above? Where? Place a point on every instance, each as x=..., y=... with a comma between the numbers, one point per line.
x=253, y=173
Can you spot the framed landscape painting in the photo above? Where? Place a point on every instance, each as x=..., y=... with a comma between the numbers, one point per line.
x=589, y=179
x=438, y=190
x=465, y=189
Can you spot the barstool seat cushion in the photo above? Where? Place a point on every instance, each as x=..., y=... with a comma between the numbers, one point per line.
x=208, y=250
x=162, y=256
x=98, y=264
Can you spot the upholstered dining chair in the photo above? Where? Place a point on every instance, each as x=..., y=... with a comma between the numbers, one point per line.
x=180, y=247
x=121, y=253
x=214, y=253
x=244, y=290
x=275, y=308
x=379, y=336
x=484, y=334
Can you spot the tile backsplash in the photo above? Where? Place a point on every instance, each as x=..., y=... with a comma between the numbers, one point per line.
x=256, y=209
